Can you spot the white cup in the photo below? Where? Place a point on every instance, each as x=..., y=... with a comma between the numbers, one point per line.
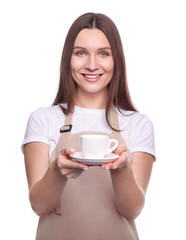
x=97, y=146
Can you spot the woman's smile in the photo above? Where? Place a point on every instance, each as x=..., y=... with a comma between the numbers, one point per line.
x=92, y=63
x=92, y=77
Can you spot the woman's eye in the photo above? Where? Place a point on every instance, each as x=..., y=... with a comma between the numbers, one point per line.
x=80, y=53
x=104, y=54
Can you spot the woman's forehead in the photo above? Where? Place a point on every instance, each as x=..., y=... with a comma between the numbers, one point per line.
x=91, y=38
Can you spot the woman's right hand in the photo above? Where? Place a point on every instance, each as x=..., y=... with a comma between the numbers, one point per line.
x=68, y=167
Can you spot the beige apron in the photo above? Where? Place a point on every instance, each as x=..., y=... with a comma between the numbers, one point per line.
x=87, y=209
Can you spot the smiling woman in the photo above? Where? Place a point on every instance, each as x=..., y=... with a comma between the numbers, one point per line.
x=92, y=67
x=118, y=92
x=92, y=98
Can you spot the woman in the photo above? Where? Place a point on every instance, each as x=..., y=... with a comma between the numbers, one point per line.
x=74, y=200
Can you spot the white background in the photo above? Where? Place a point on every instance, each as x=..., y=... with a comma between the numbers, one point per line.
x=153, y=34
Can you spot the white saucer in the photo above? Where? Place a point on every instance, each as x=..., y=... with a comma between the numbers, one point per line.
x=78, y=156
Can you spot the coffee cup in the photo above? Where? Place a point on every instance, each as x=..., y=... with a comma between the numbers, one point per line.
x=97, y=146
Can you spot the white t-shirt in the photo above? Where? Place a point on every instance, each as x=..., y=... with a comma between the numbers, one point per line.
x=44, y=126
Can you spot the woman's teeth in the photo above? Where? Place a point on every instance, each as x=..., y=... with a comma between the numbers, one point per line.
x=92, y=76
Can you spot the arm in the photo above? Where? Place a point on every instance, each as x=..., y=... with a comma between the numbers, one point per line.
x=47, y=181
x=130, y=182
x=130, y=185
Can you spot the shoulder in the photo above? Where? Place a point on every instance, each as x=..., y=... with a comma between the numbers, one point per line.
x=132, y=119
x=46, y=118
x=42, y=123
x=138, y=131
x=47, y=113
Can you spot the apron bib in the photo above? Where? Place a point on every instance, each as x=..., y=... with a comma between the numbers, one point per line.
x=87, y=209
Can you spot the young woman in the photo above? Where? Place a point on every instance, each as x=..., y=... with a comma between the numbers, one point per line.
x=74, y=200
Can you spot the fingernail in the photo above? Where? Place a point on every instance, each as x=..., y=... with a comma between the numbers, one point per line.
x=72, y=150
x=120, y=150
x=115, y=167
x=108, y=168
x=85, y=169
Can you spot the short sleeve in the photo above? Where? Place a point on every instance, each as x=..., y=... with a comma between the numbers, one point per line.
x=142, y=136
x=37, y=128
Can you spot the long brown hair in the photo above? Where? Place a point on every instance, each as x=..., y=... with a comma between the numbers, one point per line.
x=118, y=88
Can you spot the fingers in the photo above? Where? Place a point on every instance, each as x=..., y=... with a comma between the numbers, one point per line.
x=121, y=148
x=67, y=151
x=118, y=163
x=65, y=161
x=123, y=153
x=68, y=167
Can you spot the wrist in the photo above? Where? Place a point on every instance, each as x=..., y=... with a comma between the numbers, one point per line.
x=53, y=167
x=126, y=166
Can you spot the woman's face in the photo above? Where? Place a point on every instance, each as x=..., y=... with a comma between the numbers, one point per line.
x=92, y=63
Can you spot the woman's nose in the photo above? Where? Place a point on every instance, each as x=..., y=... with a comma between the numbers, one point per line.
x=91, y=63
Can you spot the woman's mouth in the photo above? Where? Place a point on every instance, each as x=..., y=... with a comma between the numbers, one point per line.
x=92, y=77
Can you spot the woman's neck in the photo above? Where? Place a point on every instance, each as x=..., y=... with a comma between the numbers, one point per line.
x=92, y=101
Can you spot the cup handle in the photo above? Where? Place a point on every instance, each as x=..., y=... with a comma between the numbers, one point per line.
x=109, y=150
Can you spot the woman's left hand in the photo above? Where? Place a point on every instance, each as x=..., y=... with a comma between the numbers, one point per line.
x=124, y=157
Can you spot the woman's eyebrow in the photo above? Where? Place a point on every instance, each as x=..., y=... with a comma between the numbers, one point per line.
x=105, y=48
x=102, y=48
x=77, y=47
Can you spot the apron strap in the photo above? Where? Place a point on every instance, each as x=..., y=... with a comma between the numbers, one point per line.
x=114, y=118
x=68, y=119
x=66, y=128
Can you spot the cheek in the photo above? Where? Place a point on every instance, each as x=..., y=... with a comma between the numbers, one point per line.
x=108, y=66
x=75, y=67
x=72, y=65
x=76, y=64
